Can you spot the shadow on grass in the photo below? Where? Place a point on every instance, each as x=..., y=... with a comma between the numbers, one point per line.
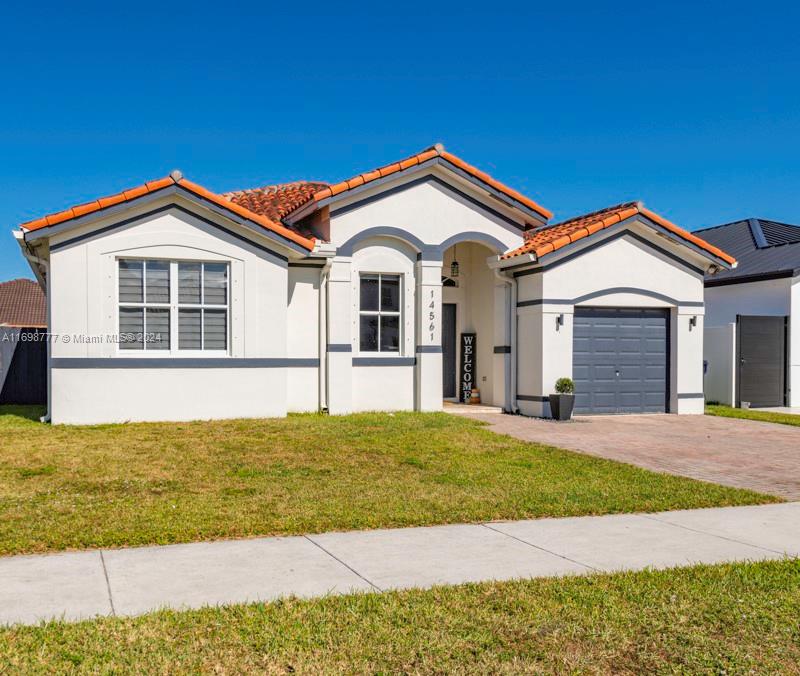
x=16, y=413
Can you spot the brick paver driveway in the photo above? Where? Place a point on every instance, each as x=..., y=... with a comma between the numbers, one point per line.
x=764, y=457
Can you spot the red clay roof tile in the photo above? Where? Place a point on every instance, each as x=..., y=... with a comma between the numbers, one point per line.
x=553, y=237
x=23, y=304
x=230, y=203
x=436, y=151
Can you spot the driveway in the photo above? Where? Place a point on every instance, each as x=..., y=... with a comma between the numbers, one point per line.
x=764, y=457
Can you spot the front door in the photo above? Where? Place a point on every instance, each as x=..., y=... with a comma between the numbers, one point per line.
x=449, y=350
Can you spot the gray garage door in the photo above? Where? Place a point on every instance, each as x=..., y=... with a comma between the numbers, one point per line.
x=620, y=360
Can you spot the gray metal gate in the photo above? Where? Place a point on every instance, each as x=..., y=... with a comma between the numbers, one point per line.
x=620, y=360
x=761, y=372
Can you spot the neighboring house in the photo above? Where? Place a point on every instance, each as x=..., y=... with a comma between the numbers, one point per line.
x=752, y=346
x=23, y=343
x=182, y=304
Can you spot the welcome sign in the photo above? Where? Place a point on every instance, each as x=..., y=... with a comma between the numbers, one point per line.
x=467, y=366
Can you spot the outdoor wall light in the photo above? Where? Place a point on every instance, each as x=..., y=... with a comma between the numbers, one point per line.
x=454, y=264
x=559, y=320
x=692, y=322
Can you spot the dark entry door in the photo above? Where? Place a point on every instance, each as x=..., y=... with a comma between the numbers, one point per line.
x=762, y=360
x=448, y=350
x=620, y=360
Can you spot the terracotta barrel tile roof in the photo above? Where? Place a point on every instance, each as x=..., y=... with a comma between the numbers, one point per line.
x=276, y=201
x=22, y=303
x=152, y=186
x=550, y=238
x=428, y=154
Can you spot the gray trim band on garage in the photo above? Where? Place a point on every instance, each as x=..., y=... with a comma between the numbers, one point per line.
x=339, y=347
x=181, y=362
x=691, y=395
x=429, y=349
x=622, y=231
x=502, y=349
x=533, y=397
x=606, y=292
x=384, y=361
x=166, y=207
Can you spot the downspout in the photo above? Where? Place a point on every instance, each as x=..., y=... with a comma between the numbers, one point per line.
x=42, y=264
x=323, y=334
x=511, y=332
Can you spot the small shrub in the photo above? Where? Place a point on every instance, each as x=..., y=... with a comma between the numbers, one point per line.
x=565, y=386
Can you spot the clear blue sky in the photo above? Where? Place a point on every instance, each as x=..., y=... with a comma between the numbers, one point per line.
x=693, y=108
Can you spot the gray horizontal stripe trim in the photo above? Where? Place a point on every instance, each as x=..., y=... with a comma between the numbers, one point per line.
x=433, y=349
x=691, y=395
x=307, y=265
x=384, y=361
x=532, y=397
x=339, y=347
x=609, y=291
x=502, y=349
x=180, y=363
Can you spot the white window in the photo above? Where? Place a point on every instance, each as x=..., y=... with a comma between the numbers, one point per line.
x=171, y=305
x=379, y=313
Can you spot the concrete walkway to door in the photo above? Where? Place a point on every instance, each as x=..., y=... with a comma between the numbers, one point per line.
x=761, y=456
x=77, y=585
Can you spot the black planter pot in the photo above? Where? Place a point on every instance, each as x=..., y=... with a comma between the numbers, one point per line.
x=561, y=406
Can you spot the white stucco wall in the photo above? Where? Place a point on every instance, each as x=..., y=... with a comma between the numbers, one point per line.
x=719, y=352
x=303, y=338
x=616, y=272
x=84, y=302
x=770, y=298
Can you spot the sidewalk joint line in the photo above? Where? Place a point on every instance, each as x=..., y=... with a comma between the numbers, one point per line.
x=530, y=544
x=108, y=584
x=350, y=568
x=715, y=535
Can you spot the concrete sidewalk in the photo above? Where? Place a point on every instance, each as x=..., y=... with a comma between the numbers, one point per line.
x=79, y=585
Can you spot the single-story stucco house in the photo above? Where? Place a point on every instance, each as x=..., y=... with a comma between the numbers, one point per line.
x=752, y=347
x=394, y=290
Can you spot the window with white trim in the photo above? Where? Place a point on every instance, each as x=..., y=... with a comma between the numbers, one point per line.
x=379, y=313
x=172, y=305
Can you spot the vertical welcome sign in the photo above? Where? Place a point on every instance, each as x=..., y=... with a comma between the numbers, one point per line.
x=467, y=366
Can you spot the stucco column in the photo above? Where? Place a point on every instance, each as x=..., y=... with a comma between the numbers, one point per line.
x=501, y=352
x=340, y=338
x=428, y=330
x=687, y=368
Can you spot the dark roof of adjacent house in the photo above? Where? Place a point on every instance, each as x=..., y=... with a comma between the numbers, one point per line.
x=765, y=249
x=22, y=304
x=549, y=238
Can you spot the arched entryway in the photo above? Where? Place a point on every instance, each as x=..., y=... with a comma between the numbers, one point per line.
x=468, y=323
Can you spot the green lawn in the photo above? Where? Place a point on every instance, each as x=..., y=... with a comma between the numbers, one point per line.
x=65, y=487
x=753, y=414
x=731, y=619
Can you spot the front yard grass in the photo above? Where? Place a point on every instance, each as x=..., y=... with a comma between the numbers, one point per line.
x=730, y=619
x=753, y=414
x=64, y=487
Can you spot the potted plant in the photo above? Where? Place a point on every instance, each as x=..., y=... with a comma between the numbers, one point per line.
x=562, y=403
